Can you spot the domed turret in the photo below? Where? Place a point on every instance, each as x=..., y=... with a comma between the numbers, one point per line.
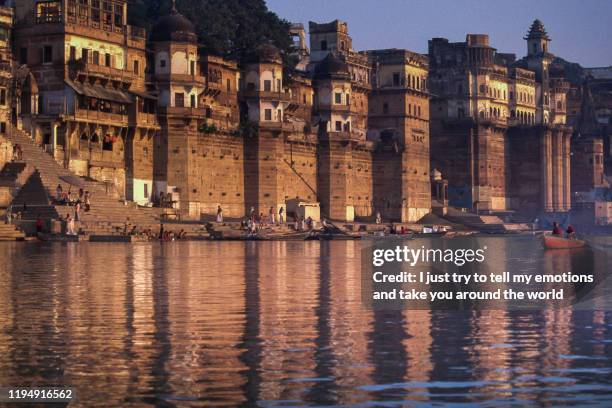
x=332, y=66
x=537, y=31
x=174, y=27
x=537, y=39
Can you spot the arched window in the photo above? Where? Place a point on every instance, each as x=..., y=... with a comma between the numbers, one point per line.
x=95, y=138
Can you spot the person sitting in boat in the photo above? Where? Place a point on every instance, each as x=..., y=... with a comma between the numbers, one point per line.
x=557, y=229
x=570, y=232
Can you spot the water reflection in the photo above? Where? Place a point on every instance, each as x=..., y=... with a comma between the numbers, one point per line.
x=277, y=323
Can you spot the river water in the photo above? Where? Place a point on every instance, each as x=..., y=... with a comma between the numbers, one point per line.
x=278, y=324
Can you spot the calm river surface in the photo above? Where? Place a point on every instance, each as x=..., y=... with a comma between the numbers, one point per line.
x=278, y=324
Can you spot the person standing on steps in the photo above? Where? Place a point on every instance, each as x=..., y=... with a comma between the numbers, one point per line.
x=272, y=216
x=219, y=214
x=281, y=215
x=87, y=201
x=77, y=211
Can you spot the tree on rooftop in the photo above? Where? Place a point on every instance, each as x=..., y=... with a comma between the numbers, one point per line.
x=230, y=28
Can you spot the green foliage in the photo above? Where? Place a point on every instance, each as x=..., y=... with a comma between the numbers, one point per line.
x=206, y=128
x=230, y=28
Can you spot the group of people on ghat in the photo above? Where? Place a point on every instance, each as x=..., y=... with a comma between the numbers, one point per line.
x=570, y=232
x=82, y=201
x=147, y=234
x=254, y=222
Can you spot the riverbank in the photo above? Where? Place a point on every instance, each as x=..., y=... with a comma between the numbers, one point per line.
x=234, y=231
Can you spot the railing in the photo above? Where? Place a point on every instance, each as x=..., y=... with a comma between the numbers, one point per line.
x=181, y=78
x=98, y=116
x=107, y=72
x=268, y=95
x=185, y=111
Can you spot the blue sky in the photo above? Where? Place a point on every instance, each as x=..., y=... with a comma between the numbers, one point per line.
x=581, y=30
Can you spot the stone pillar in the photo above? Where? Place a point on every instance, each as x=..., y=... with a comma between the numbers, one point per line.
x=546, y=169
x=557, y=173
x=335, y=180
x=54, y=138
x=263, y=163
x=567, y=168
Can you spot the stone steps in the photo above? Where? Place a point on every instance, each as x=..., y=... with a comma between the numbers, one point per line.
x=35, y=193
x=9, y=232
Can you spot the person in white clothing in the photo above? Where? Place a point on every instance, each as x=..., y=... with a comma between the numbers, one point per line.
x=219, y=214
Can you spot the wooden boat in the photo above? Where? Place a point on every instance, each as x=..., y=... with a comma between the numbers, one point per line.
x=555, y=242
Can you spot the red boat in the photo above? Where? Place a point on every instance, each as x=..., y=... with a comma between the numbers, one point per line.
x=555, y=242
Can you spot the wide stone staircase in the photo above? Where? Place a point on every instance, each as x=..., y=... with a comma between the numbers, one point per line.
x=9, y=232
x=108, y=213
x=491, y=224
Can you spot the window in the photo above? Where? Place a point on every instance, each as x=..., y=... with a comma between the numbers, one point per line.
x=3, y=97
x=47, y=54
x=511, y=95
x=267, y=85
x=179, y=100
x=278, y=85
x=338, y=98
x=192, y=68
x=85, y=55
x=72, y=53
x=118, y=15
x=136, y=67
x=483, y=89
x=96, y=58
x=3, y=127
x=107, y=143
x=193, y=101
x=348, y=100
x=146, y=189
x=48, y=12
x=396, y=79
x=324, y=45
x=23, y=55
x=107, y=60
x=162, y=63
x=268, y=114
x=338, y=126
x=385, y=107
x=229, y=85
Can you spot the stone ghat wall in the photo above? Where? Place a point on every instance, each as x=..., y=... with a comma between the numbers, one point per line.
x=238, y=174
x=219, y=168
x=363, y=183
x=299, y=172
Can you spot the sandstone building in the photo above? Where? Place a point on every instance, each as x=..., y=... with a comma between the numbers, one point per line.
x=499, y=130
x=356, y=132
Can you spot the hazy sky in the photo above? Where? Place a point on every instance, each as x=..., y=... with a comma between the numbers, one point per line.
x=581, y=30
